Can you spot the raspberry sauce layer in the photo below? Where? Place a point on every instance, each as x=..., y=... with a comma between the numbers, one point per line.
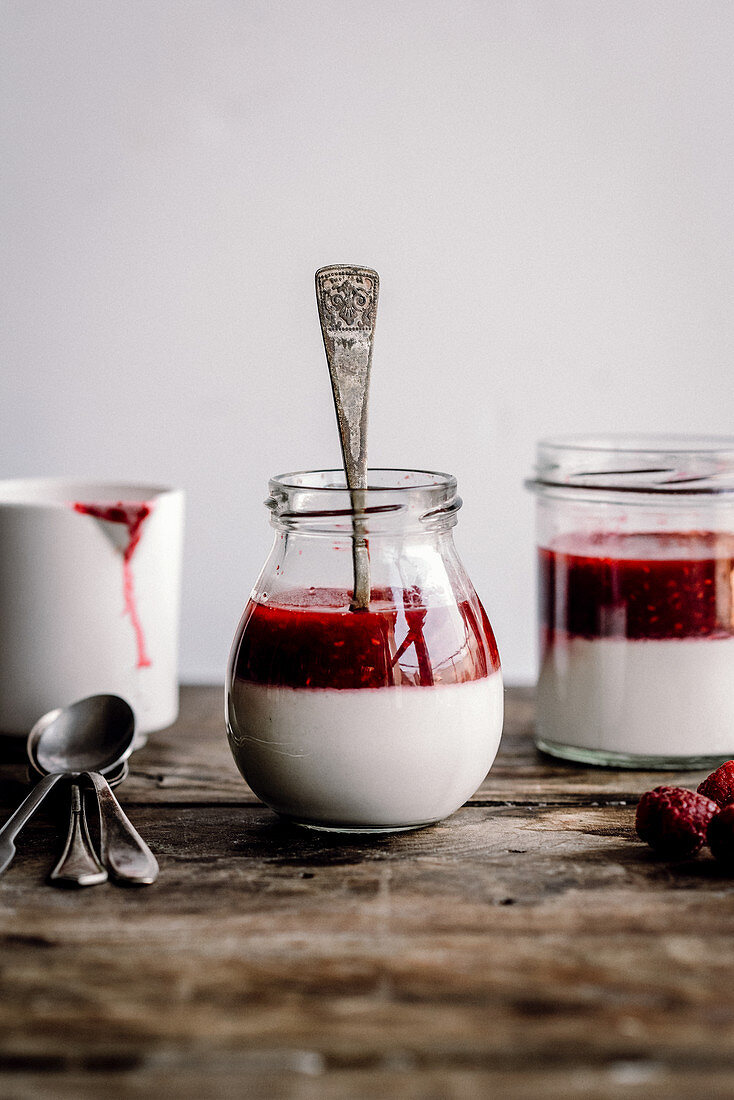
x=311, y=639
x=640, y=586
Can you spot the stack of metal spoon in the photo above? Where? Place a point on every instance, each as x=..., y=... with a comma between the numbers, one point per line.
x=87, y=745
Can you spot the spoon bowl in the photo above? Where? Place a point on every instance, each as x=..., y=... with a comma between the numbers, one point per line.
x=94, y=734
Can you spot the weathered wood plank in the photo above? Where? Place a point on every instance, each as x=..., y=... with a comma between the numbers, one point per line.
x=272, y=1075
x=528, y=946
x=550, y=936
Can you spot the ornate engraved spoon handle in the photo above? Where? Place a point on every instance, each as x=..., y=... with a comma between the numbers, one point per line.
x=123, y=850
x=78, y=863
x=347, y=303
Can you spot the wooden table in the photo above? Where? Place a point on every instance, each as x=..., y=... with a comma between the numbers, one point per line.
x=527, y=947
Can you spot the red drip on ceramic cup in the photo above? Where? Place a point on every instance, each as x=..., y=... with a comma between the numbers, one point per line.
x=636, y=600
x=132, y=516
x=90, y=577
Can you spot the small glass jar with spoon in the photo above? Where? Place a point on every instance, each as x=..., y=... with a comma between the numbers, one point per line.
x=364, y=691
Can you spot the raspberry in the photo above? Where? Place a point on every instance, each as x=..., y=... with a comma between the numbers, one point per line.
x=720, y=836
x=673, y=820
x=720, y=784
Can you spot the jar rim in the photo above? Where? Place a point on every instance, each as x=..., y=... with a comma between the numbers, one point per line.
x=305, y=479
x=645, y=464
x=319, y=501
x=642, y=443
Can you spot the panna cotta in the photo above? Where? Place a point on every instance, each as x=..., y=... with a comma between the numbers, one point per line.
x=379, y=719
x=637, y=647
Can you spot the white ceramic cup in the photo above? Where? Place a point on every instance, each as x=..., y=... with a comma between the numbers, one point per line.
x=90, y=581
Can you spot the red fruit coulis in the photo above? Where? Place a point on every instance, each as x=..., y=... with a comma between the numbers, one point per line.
x=642, y=586
x=133, y=516
x=310, y=639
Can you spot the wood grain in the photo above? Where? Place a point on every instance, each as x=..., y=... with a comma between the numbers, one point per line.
x=529, y=946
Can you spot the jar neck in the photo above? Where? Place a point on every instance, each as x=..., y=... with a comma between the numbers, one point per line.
x=677, y=469
x=397, y=503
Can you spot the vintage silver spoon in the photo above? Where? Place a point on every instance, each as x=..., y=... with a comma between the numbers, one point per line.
x=82, y=741
x=78, y=864
x=347, y=302
x=74, y=722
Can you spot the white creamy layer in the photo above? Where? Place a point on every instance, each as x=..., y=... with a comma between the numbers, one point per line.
x=665, y=698
x=366, y=757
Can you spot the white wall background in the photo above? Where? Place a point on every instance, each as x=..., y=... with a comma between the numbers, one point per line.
x=545, y=186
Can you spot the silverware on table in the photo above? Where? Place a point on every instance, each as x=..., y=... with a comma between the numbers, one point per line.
x=123, y=850
x=78, y=864
x=82, y=743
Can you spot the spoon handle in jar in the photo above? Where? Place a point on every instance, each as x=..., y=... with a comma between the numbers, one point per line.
x=25, y=811
x=123, y=850
x=347, y=303
x=78, y=865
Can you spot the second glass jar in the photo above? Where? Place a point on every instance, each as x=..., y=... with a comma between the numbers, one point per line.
x=636, y=600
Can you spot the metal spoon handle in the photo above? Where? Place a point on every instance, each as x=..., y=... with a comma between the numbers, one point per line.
x=123, y=850
x=17, y=820
x=78, y=865
x=347, y=302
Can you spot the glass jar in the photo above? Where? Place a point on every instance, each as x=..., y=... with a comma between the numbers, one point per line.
x=370, y=720
x=636, y=605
